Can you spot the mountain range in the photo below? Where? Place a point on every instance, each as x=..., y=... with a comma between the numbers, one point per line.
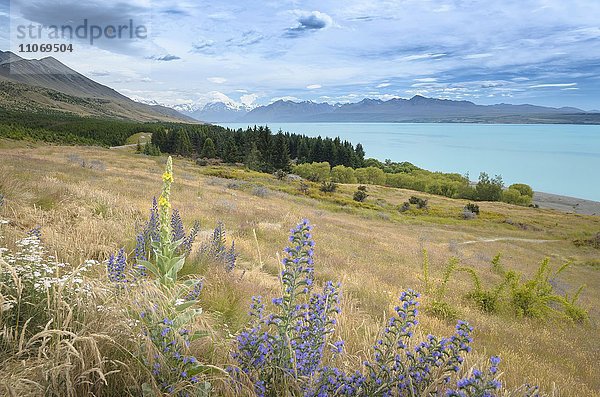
x=415, y=109
x=47, y=84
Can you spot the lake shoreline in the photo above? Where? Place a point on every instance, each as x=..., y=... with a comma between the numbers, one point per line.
x=549, y=158
x=566, y=204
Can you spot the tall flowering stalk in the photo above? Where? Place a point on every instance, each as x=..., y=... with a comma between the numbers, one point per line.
x=215, y=249
x=151, y=233
x=288, y=344
x=167, y=260
x=164, y=203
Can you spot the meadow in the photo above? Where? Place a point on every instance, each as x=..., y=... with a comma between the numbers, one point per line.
x=89, y=201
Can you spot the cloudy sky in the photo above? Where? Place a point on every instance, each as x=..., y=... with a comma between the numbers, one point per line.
x=543, y=52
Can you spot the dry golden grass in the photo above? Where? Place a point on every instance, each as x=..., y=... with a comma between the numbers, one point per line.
x=373, y=250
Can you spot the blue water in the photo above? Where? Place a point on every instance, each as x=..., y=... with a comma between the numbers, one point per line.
x=560, y=159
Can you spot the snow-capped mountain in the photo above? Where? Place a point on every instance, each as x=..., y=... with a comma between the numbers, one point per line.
x=215, y=112
x=187, y=108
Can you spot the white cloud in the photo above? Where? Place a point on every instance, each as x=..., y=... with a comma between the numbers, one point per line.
x=313, y=86
x=248, y=99
x=427, y=80
x=383, y=85
x=553, y=85
x=479, y=56
x=217, y=80
x=417, y=57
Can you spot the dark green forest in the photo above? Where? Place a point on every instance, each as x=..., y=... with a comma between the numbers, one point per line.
x=257, y=147
x=64, y=128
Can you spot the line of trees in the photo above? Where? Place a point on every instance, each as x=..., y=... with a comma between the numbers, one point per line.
x=408, y=176
x=59, y=127
x=257, y=147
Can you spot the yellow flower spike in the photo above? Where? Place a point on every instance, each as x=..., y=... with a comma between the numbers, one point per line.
x=163, y=202
x=167, y=177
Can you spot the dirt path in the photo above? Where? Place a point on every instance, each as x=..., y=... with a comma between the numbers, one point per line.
x=491, y=240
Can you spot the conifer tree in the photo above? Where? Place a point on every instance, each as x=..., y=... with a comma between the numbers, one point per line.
x=316, y=151
x=208, y=149
x=360, y=155
x=303, y=151
x=183, y=146
x=230, y=151
x=280, y=156
x=254, y=159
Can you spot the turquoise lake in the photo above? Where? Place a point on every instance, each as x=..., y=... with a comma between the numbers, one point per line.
x=560, y=159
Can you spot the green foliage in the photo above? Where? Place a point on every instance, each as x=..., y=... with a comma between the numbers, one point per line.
x=151, y=150
x=489, y=189
x=419, y=202
x=343, y=174
x=257, y=146
x=572, y=310
x=360, y=194
x=474, y=208
x=303, y=187
x=442, y=310
x=167, y=262
x=438, y=306
x=328, y=187
x=254, y=159
x=57, y=127
x=316, y=172
x=404, y=207
x=280, y=174
x=534, y=298
x=514, y=196
x=208, y=149
x=449, y=185
x=370, y=176
x=280, y=155
x=524, y=189
x=496, y=265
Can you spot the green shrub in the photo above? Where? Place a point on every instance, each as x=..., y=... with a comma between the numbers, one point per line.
x=280, y=174
x=524, y=189
x=419, y=202
x=328, y=187
x=533, y=298
x=342, y=174
x=404, y=207
x=489, y=189
x=370, y=176
x=360, y=194
x=442, y=310
x=315, y=172
x=303, y=188
x=572, y=310
x=474, y=208
x=514, y=196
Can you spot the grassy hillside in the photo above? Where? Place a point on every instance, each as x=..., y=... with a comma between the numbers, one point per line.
x=33, y=98
x=91, y=201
